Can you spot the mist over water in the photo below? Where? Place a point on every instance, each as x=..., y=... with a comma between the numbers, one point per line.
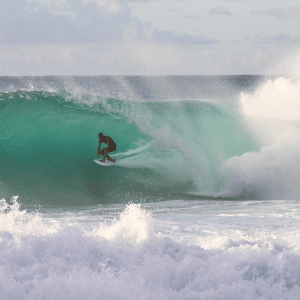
x=272, y=112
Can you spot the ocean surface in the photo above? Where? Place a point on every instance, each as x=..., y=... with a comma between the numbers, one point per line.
x=202, y=203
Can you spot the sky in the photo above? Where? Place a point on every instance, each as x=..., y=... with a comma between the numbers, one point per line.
x=147, y=37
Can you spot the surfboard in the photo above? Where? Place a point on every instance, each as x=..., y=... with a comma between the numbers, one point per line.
x=107, y=163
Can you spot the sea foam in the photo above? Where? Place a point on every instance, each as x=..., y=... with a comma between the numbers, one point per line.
x=273, y=114
x=129, y=259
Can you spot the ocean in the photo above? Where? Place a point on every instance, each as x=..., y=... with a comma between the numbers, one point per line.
x=203, y=202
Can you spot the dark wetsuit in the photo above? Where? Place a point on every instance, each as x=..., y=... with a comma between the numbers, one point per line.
x=108, y=140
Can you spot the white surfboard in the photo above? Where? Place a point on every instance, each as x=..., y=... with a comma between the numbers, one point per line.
x=107, y=163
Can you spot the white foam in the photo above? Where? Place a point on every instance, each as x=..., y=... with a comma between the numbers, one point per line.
x=134, y=227
x=273, y=114
x=128, y=259
x=19, y=223
x=275, y=99
x=273, y=109
x=134, y=151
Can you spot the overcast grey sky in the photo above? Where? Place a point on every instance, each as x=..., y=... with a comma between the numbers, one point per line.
x=147, y=37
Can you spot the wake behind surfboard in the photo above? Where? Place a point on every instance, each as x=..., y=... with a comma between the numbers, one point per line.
x=107, y=163
x=125, y=159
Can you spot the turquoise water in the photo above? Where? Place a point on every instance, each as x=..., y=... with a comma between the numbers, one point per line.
x=49, y=141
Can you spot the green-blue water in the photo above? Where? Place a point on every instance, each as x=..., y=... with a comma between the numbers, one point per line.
x=48, y=142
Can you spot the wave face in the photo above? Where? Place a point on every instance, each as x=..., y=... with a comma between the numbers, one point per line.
x=165, y=149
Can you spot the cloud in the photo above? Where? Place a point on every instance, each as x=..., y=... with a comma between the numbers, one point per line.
x=181, y=39
x=136, y=58
x=147, y=1
x=98, y=59
x=191, y=17
x=64, y=21
x=220, y=11
x=279, y=12
x=80, y=22
x=282, y=39
x=172, y=10
x=62, y=7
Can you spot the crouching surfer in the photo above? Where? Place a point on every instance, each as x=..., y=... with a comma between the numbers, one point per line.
x=111, y=146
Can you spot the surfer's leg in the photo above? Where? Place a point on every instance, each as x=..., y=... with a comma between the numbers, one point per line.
x=110, y=149
x=104, y=153
x=110, y=159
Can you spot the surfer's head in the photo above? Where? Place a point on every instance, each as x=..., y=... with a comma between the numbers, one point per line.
x=100, y=135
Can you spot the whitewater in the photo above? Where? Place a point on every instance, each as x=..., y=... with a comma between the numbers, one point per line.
x=203, y=202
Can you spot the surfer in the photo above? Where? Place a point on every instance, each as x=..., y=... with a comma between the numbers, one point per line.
x=111, y=146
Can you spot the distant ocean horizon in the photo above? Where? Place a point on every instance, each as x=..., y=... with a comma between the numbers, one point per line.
x=202, y=204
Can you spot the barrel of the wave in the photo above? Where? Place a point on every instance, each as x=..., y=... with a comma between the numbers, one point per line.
x=47, y=147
